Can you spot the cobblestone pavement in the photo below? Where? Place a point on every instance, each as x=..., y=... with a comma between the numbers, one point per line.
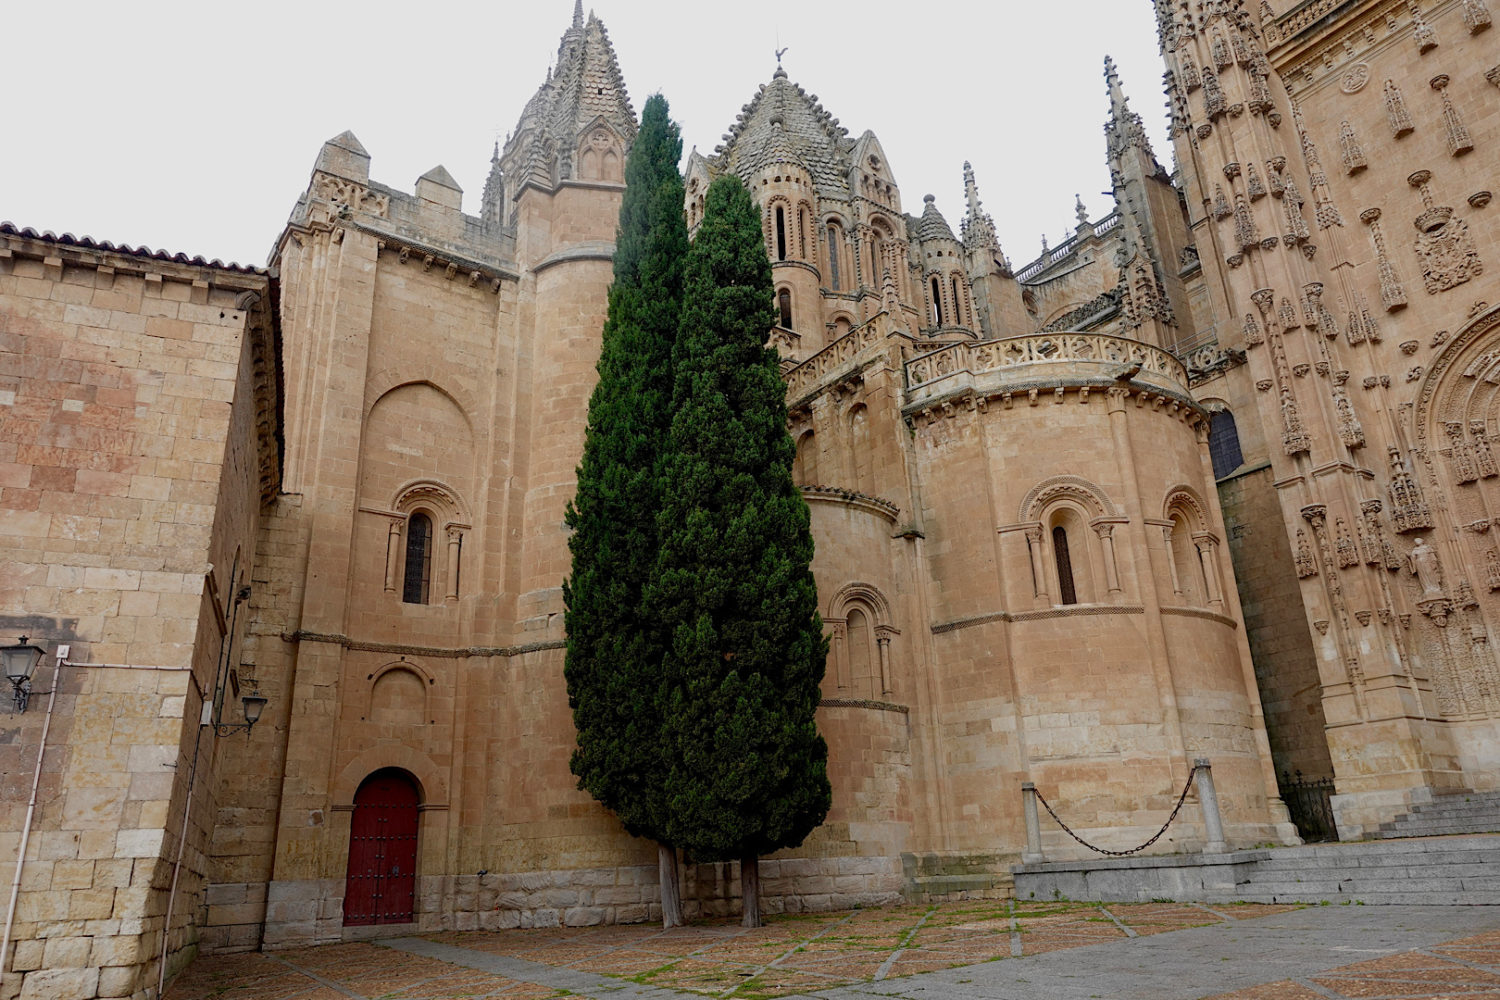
x=1054, y=950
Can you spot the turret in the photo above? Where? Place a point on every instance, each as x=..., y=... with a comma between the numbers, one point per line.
x=997, y=294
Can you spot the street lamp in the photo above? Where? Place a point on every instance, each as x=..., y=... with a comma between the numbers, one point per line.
x=20, y=661
x=253, y=704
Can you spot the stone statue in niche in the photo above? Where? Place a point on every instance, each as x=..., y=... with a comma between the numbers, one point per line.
x=1423, y=564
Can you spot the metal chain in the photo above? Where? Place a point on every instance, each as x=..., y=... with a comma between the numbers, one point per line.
x=1124, y=854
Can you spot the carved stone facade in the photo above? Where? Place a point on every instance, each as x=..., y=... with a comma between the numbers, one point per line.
x=1208, y=479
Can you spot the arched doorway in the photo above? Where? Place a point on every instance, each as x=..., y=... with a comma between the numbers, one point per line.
x=382, y=879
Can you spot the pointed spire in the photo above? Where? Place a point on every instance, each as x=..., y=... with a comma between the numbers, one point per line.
x=1125, y=130
x=577, y=15
x=492, y=205
x=977, y=227
x=932, y=225
x=1082, y=211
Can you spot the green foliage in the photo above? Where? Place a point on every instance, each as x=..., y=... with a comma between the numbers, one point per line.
x=734, y=583
x=614, y=648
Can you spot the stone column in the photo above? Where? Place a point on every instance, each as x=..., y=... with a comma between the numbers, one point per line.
x=1207, y=550
x=1208, y=797
x=455, y=546
x=883, y=634
x=1033, y=854
x=1038, y=570
x=1166, y=533
x=393, y=557
x=1106, y=534
x=840, y=654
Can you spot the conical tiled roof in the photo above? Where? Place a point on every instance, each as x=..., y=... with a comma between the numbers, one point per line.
x=932, y=225
x=585, y=88
x=783, y=123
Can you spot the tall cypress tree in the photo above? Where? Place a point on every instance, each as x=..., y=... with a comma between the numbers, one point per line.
x=734, y=582
x=615, y=649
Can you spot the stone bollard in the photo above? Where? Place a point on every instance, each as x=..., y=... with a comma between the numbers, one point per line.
x=1033, y=853
x=1213, y=823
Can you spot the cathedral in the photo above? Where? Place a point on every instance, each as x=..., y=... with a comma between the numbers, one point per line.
x=1210, y=479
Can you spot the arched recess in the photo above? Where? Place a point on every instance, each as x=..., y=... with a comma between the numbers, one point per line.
x=805, y=466
x=400, y=694
x=861, y=450
x=1084, y=493
x=431, y=784
x=601, y=154
x=1084, y=553
x=1192, y=547
x=1456, y=422
x=862, y=632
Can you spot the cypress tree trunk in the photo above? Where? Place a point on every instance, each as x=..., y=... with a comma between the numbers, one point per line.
x=750, y=890
x=671, y=886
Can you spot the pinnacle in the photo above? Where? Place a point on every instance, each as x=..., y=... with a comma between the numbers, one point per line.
x=577, y=14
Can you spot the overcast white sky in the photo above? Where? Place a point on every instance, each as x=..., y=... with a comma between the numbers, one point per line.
x=192, y=126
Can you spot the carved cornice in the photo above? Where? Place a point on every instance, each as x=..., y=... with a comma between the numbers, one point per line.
x=874, y=706
x=1070, y=611
x=440, y=652
x=450, y=261
x=848, y=498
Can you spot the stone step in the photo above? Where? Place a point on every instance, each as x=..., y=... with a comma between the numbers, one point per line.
x=1395, y=861
x=1402, y=898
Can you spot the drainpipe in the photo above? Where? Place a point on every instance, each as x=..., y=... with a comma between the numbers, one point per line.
x=36, y=781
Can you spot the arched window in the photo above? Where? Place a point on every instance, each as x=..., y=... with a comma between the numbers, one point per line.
x=806, y=469
x=802, y=234
x=1224, y=444
x=1067, y=593
x=834, y=278
x=781, y=237
x=860, y=450
x=877, y=275
x=418, y=583
x=1186, y=571
x=958, y=311
x=861, y=662
x=784, y=303
x=937, y=302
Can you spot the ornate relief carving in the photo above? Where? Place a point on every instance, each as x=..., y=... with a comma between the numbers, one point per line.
x=1253, y=334
x=1459, y=139
x=1355, y=78
x=1426, y=37
x=1458, y=452
x=1245, y=235
x=1350, y=431
x=1354, y=153
x=1348, y=552
x=1395, y=109
x=1492, y=568
x=1476, y=16
x=1392, y=292
x=1252, y=180
x=1449, y=256
x=1307, y=566
x=1409, y=510
x=1484, y=458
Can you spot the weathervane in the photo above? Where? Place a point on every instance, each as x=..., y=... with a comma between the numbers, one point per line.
x=781, y=52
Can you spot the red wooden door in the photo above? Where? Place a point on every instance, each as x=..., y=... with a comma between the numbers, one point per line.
x=382, y=877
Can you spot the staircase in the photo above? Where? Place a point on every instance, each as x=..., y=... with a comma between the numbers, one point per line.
x=1440, y=871
x=1462, y=812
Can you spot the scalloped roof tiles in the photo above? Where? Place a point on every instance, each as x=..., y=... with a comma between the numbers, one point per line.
x=784, y=123
x=89, y=243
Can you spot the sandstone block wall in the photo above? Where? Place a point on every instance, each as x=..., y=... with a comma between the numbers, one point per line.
x=138, y=434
